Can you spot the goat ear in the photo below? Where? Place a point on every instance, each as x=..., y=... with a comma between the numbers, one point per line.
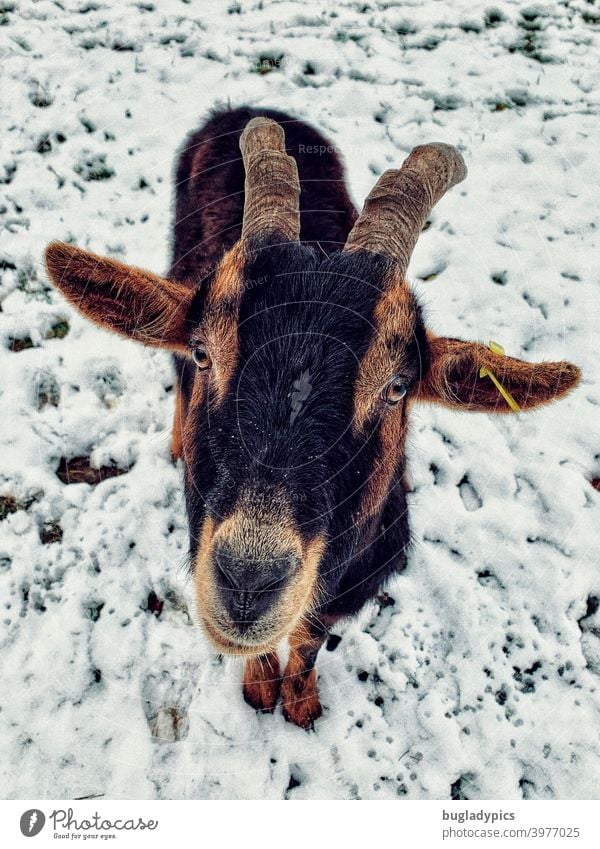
x=122, y=298
x=453, y=378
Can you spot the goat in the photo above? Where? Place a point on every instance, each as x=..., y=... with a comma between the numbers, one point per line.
x=299, y=350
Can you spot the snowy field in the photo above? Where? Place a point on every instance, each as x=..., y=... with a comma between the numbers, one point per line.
x=479, y=677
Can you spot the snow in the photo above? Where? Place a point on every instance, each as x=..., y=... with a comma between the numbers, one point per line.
x=481, y=679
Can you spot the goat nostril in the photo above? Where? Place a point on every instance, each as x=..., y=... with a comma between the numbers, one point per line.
x=226, y=577
x=273, y=586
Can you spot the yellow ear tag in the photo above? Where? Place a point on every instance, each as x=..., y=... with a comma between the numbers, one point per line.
x=495, y=348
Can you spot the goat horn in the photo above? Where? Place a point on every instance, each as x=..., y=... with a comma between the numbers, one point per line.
x=397, y=207
x=272, y=188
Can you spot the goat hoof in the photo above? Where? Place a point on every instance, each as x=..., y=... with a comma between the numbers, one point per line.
x=261, y=697
x=301, y=704
x=262, y=684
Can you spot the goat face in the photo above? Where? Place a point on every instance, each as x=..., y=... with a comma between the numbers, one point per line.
x=293, y=434
x=297, y=372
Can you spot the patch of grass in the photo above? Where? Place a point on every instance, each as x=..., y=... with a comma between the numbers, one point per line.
x=531, y=41
x=17, y=345
x=80, y=470
x=58, y=330
x=178, y=603
x=10, y=504
x=21, y=343
x=47, y=391
x=266, y=64
x=29, y=282
x=447, y=102
x=94, y=168
x=50, y=532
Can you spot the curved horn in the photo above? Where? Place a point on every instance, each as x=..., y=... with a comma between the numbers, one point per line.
x=397, y=207
x=272, y=188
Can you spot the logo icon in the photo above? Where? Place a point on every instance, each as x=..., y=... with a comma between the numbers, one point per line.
x=32, y=822
x=302, y=389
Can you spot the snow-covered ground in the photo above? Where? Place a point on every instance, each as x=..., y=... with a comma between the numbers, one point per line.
x=481, y=679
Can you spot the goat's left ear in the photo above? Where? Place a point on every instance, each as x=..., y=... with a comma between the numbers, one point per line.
x=128, y=300
x=453, y=378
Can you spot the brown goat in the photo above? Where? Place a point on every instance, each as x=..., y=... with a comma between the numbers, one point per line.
x=299, y=349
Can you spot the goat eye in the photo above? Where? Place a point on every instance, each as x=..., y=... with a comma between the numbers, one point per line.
x=394, y=391
x=201, y=358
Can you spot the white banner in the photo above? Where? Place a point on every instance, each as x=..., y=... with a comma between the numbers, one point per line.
x=259, y=824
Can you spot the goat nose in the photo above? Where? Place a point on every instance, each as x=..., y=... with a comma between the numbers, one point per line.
x=249, y=587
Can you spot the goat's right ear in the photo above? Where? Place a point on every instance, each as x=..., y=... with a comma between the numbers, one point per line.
x=128, y=300
x=454, y=378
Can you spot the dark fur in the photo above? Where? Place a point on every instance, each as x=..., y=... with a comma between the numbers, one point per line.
x=210, y=190
x=308, y=311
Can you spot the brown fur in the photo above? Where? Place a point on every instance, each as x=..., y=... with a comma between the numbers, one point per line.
x=122, y=298
x=220, y=322
x=228, y=284
x=376, y=491
x=299, y=692
x=384, y=357
x=393, y=329
x=178, y=420
x=262, y=682
x=256, y=532
x=453, y=378
x=187, y=432
x=263, y=529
